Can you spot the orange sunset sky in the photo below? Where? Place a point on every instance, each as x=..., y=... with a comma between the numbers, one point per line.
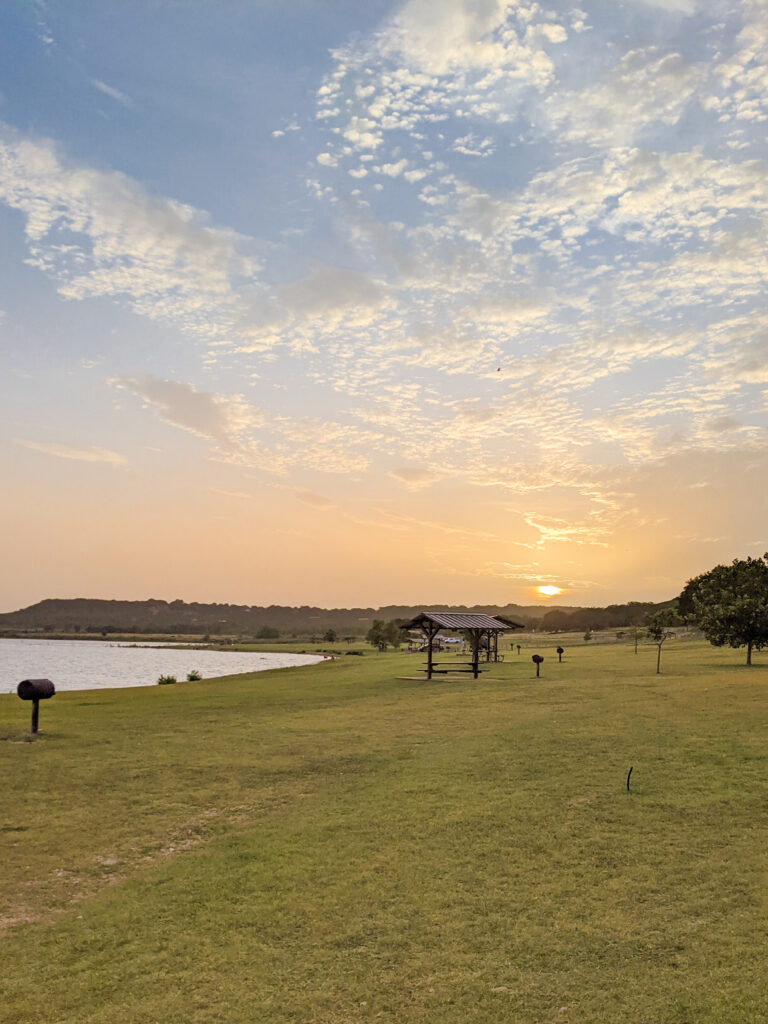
x=419, y=303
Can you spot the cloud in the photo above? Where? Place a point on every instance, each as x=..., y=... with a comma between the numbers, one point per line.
x=460, y=35
x=324, y=302
x=644, y=88
x=552, y=529
x=110, y=91
x=207, y=415
x=315, y=500
x=397, y=520
x=63, y=451
x=415, y=476
x=682, y=6
x=245, y=435
x=394, y=170
x=741, y=354
x=428, y=64
x=100, y=234
x=533, y=575
x=471, y=145
x=330, y=289
x=231, y=494
x=740, y=91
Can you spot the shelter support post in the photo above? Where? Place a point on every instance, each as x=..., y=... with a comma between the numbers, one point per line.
x=430, y=631
x=475, y=637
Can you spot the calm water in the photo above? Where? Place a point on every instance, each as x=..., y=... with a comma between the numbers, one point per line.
x=97, y=665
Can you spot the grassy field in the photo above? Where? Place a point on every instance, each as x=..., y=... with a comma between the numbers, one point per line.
x=338, y=843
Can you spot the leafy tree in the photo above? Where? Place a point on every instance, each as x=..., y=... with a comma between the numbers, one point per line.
x=268, y=633
x=330, y=636
x=657, y=628
x=556, y=621
x=374, y=634
x=383, y=634
x=729, y=604
x=636, y=635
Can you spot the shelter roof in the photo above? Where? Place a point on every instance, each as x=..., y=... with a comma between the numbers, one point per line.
x=510, y=622
x=462, y=620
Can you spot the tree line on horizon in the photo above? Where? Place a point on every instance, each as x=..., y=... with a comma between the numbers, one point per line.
x=729, y=604
x=87, y=615
x=590, y=620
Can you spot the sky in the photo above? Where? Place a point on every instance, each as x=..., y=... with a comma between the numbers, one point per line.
x=333, y=303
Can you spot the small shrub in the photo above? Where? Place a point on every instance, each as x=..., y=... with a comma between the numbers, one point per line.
x=194, y=676
x=166, y=680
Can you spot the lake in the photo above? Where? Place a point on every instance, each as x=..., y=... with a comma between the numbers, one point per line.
x=99, y=665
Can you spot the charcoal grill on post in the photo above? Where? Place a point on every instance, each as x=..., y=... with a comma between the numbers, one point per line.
x=35, y=690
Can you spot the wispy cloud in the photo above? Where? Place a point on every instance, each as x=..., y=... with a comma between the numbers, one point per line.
x=415, y=476
x=244, y=434
x=113, y=93
x=64, y=451
x=100, y=234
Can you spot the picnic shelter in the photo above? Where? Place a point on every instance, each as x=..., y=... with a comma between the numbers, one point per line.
x=476, y=627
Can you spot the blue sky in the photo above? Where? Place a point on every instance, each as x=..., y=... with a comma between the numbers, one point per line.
x=335, y=303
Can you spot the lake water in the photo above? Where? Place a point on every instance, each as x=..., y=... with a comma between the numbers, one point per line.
x=98, y=665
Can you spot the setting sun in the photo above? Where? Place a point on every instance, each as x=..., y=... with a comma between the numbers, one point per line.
x=548, y=591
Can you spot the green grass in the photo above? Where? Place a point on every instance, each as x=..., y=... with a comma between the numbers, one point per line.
x=336, y=844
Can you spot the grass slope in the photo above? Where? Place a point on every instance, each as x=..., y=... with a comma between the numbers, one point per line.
x=336, y=844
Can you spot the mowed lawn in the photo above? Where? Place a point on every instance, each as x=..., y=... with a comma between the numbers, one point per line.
x=337, y=844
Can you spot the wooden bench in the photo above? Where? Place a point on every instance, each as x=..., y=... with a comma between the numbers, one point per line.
x=439, y=670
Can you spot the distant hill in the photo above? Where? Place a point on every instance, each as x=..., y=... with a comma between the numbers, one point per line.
x=88, y=615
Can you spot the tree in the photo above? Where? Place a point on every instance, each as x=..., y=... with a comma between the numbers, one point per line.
x=374, y=634
x=556, y=620
x=729, y=604
x=330, y=636
x=636, y=634
x=382, y=634
x=657, y=627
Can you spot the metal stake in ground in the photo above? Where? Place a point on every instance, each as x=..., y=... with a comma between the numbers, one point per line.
x=35, y=690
